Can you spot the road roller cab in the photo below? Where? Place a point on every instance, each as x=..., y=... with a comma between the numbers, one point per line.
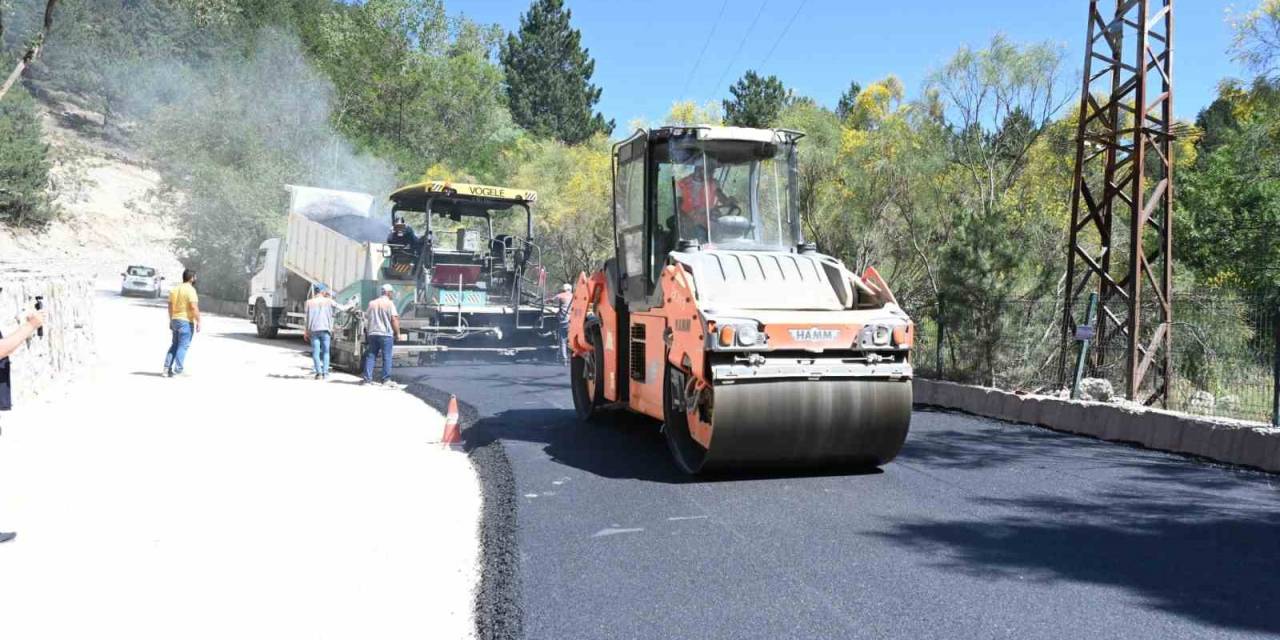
x=715, y=317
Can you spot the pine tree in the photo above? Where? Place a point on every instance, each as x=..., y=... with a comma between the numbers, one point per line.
x=24, y=165
x=756, y=102
x=848, y=99
x=548, y=73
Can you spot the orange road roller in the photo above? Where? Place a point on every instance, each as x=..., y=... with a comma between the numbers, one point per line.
x=715, y=316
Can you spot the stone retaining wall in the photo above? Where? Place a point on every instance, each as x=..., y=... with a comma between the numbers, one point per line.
x=68, y=343
x=1232, y=441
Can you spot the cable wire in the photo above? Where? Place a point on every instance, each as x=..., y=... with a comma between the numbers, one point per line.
x=742, y=44
x=710, y=34
x=783, y=34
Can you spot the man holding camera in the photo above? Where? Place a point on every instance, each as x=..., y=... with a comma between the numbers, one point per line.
x=9, y=344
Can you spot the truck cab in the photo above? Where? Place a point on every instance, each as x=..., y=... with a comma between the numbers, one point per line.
x=268, y=271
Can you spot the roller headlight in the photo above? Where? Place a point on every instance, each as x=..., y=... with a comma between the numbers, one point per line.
x=739, y=334
x=880, y=335
x=748, y=336
x=874, y=336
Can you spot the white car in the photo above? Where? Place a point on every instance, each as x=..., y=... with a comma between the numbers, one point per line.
x=140, y=281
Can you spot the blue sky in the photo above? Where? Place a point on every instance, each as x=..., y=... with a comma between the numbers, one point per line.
x=646, y=50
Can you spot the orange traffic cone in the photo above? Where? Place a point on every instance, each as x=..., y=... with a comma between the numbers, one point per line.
x=452, y=437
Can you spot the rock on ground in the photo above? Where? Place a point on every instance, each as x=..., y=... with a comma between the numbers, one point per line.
x=1096, y=389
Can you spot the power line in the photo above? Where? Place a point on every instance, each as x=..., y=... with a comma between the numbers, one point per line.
x=783, y=34
x=739, y=50
x=711, y=34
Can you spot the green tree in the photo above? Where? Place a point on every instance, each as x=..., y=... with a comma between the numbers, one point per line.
x=997, y=103
x=1215, y=123
x=1256, y=41
x=690, y=112
x=24, y=165
x=847, y=99
x=756, y=102
x=548, y=76
x=895, y=181
x=415, y=85
x=1229, y=204
x=573, y=223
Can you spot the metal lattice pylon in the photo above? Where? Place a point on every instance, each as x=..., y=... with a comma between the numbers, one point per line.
x=1121, y=236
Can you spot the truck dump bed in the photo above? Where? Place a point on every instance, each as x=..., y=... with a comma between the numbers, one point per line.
x=333, y=237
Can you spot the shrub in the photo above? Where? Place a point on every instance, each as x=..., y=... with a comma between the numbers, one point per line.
x=24, y=163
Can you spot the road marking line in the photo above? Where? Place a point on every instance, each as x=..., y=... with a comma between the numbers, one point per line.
x=613, y=532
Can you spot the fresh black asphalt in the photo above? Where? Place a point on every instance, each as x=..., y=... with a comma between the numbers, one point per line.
x=980, y=529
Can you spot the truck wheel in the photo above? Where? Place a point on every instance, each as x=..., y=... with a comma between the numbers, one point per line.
x=586, y=373
x=262, y=319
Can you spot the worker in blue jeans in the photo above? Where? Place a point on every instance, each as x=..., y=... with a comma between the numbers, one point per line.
x=319, y=330
x=184, y=322
x=382, y=324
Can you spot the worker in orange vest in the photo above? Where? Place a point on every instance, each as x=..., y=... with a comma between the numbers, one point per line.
x=699, y=194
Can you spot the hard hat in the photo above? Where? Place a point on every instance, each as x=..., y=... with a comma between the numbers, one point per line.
x=567, y=287
x=386, y=288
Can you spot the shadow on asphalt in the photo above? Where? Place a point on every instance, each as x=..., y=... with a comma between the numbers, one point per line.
x=618, y=445
x=285, y=339
x=1201, y=559
x=149, y=374
x=970, y=448
x=1194, y=540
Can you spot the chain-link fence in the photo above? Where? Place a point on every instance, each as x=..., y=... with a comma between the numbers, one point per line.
x=1223, y=356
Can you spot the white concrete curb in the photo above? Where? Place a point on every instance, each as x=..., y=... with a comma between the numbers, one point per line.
x=1232, y=441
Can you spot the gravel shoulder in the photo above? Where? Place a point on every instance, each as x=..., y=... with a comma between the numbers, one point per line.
x=244, y=500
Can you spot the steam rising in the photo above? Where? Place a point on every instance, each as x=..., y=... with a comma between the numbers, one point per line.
x=227, y=134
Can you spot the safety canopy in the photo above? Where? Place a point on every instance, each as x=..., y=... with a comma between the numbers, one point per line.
x=415, y=196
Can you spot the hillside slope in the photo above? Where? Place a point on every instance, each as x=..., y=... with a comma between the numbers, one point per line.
x=102, y=188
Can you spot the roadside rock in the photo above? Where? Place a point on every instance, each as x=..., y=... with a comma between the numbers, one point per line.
x=1229, y=404
x=1096, y=389
x=1201, y=402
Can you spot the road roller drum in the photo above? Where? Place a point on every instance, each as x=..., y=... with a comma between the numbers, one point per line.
x=797, y=423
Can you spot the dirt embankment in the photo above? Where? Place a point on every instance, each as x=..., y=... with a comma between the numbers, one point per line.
x=108, y=220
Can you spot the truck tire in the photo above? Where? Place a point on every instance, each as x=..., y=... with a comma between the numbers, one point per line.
x=262, y=320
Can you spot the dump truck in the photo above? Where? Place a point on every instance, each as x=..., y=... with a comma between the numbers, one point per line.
x=474, y=283
x=332, y=238
x=715, y=317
